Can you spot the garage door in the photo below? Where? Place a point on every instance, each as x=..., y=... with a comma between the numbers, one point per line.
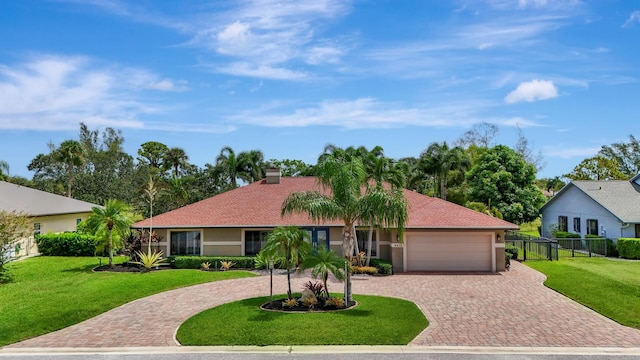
x=448, y=252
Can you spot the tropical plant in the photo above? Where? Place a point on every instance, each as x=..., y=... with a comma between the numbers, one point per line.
x=205, y=266
x=290, y=303
x=246, y=166
x=109, y=224
x=346, y=178
x=175, y=158
x=149, y=260
x=290, y=243
x=322, y=262
x=71, y=154
x=335, y=302
x=316, y=287
x=14, y=226
x=439, y=160
x=4, y=170
x=226, y=265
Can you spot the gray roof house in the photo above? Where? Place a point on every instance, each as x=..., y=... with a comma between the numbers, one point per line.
x=606, y=208
x=48, y=212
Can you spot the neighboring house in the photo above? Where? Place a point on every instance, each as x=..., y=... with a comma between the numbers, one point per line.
x=605, y=208
x=439, y=236
x=48, y=212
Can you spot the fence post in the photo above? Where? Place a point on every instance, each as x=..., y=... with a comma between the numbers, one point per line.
x=524, y=249
x=573, y=248
x=589, y=246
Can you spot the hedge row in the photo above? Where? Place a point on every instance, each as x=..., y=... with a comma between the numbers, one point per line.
x=383, y=266
x=66, y=244
x=629, y=248
x=195, y=262
x=565, y=235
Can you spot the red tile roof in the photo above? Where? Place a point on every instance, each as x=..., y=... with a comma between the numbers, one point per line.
x=258, y=205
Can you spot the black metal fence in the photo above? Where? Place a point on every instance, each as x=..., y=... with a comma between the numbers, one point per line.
x=539, y=248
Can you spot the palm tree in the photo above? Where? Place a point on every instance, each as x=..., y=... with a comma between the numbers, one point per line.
x=439, y=160
x=4, y=170
x=70, y=153
x=246, y=166
x=288, y=242
x=109, y=222
x=175, y=158
x=347, y=203
x=322, y=263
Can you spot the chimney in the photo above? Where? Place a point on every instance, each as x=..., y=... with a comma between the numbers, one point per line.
x=273, y=176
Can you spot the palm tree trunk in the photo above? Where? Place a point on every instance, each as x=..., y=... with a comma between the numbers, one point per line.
x=69, y=179
x=110, y=250
x=443, y=188
x=289, y=294
x=369, y=244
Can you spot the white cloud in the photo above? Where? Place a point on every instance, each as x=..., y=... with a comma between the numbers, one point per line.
x=520, y=122
x=533, y=90
x=570, y=152
x=362, y=113
x=633, y=18
x=264, y=36
x=56, y=93
x=261, y=71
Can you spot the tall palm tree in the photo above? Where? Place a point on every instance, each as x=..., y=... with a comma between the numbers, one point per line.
x=246, y=166
x=439, y=160
x=322, y=263
x=288, y=242
x=347, y=202
x=109, y=222
x=71, y=154
x=175, y=158
x=4, y=170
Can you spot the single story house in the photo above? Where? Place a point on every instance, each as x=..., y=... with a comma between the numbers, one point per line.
x=439, y=236
x=48, y=212
x=605, y=208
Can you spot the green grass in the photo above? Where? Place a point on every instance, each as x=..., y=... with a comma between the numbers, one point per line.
x=50, y=293
x=610, y=287
x=531, y=228
x=375, y=321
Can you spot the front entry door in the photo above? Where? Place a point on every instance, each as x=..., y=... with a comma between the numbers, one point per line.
x=319, y=236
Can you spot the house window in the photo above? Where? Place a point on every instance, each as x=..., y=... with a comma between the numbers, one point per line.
x=576, y=225
x=78, y=221
x=592, y=226
x=254, y=241
x=562, y=224
x=637, y=230
x=36, y=229
x=185, y=243
x=363, y=241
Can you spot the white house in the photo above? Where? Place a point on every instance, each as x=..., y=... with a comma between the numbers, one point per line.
x=606, y=208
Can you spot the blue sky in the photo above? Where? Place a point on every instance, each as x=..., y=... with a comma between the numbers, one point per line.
x=289, y=77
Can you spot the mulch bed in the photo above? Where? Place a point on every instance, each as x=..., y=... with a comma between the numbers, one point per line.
x=277, y=306
x=126, y=267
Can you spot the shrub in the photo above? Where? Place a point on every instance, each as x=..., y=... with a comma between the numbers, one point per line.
x=205, y=266
x=565, y=235
x=66, y=244
x=612, y=249
x=290, y=303
x=194, y=262
x=149, y=259
x=371, y=270
x=629, y=248
x=335, y=302
x=316, y=287
x=226, y=265
x=512, y=251
x=383, y=266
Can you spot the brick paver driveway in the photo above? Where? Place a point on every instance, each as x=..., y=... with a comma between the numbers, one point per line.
x=508, y=309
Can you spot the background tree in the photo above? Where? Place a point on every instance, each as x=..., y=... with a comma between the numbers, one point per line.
x=246, y=166
x=481, y=135
x=439, y=160
x=13, y=227
x=597, y=168
x=289, y=243
x=551, y=185
x=153, y=153
x=109, y=224
x=175, y=158
x=345, y=177
x=627, y=155
x=523, y=148
x=4, y=170
x=71, y=154
x=290, y=167
x=501, y=178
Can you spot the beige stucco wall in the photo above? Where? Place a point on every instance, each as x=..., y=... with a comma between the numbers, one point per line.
x=49, y=224
x=222, y=250
x=222, y=234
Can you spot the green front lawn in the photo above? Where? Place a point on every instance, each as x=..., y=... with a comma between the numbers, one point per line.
x=50, y=293
x=375, y=321
x=610, y=287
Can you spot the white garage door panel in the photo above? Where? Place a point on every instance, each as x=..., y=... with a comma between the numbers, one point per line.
x=449, y=252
